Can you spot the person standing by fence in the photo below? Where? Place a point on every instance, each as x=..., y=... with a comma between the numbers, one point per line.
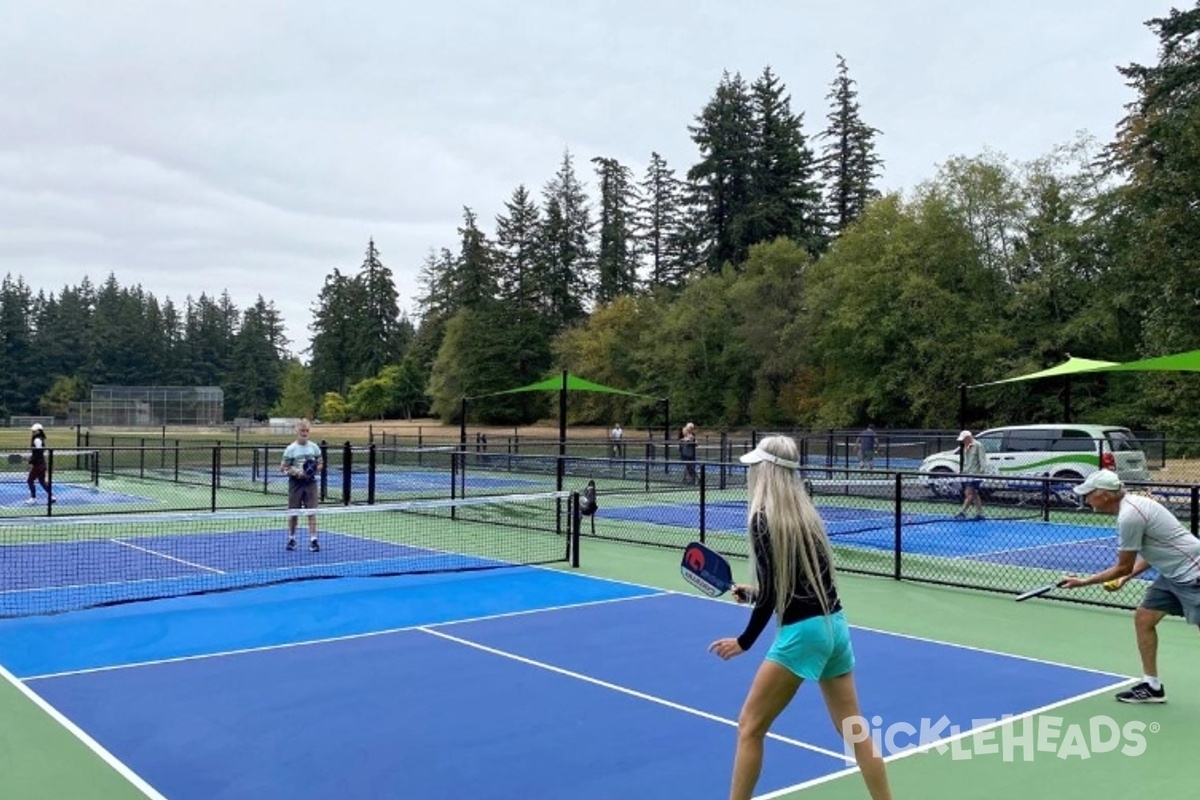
x=687, y=452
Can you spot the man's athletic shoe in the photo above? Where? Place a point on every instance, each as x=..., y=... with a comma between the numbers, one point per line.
x=1142, y=693
x=316, y=548
x=291, y=544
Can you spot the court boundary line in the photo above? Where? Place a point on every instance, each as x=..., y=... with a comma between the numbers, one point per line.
x=331, y=639
x=651, y=591
x=1074, y=542
x=939, y=743
x=913, y=636
x=624, y=690
x=79, y=733
x=183, y=561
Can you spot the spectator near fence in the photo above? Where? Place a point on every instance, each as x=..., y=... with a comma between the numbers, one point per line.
x=866, y=448
x=617, y=438
x=687, y=452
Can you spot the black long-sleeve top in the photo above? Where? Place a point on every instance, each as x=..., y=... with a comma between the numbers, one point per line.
x=805, y=602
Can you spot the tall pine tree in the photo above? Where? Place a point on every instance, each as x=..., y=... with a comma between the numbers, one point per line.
x=849, y=164
x=724, y=134
x=616, y=254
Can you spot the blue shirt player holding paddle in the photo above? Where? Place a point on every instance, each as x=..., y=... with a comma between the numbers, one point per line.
x=302, y=464
x=796, y=585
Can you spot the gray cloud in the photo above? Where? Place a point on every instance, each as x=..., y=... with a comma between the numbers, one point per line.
x=253, y=146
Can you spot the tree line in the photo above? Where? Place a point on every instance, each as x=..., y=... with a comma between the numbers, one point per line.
x=770, y=284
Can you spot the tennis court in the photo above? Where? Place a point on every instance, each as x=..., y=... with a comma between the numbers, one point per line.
x=473, y=675
x=524, y=683
x=1034, y=543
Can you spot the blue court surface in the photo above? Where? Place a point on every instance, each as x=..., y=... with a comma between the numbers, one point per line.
x=13, y=495
x=1021, y=542
x=520, y=683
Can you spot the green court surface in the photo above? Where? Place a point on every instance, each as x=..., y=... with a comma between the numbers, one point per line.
x=40, y=759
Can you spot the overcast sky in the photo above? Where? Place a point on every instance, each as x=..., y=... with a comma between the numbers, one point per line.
x=255, y=145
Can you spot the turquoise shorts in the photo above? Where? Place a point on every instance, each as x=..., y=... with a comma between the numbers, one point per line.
x=814, y=649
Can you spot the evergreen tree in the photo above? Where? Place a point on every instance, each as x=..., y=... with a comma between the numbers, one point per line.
x=517, y=244
x=17, y=386
x=616, y=259
x=334, y=320
x=566, y=268
x=848, y=163
x=474, y=283
x=784, y=197
x=661, y=225
x=722, y=179
x=1158, y=151
x=375, y=335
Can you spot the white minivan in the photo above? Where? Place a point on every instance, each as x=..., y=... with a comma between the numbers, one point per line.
x=1067, y=452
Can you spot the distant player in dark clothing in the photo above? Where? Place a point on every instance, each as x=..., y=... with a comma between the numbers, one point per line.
x=37, y=464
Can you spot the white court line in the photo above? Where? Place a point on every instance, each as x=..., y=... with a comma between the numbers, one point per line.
x=1098, y=540
x=332, y=639
x=426, y=628
x=625, y=690
x=944, y=742
x=156, y=553
x=97, y=748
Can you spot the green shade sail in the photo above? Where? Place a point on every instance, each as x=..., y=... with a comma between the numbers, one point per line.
x=572, y=383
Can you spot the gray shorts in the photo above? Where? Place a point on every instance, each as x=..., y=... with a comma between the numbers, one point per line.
x=1176, y=599
x=302, y=494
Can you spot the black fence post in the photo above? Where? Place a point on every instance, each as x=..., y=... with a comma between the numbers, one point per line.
x=347, y=471
x=324, y=470
x=899, y=542
x=216, y=469
x=573, y=536
x=371, y=474
x=703, y=502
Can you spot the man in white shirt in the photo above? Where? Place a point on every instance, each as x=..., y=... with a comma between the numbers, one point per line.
x=1148, y=536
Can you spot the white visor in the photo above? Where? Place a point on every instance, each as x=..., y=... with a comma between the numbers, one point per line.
x=758, y=455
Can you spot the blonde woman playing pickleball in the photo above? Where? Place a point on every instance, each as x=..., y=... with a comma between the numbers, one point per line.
x=796, y=585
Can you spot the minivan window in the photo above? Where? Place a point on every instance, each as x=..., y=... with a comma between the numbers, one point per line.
x=1074, y=441
x=1029, y=441
x=1123, y=442
x=991, y=443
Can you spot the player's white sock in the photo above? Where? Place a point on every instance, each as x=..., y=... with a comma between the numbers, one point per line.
x=1152, y=680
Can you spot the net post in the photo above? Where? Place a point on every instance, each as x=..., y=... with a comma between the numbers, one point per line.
x=703, y=503
x=898, y=547
x=576, y=525
x=216, y=467
x=371, y=474
x=455, y=461
x=347, y=471
x=50, y=481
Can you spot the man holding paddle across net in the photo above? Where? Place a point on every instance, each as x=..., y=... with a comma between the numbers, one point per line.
x=1148, y=536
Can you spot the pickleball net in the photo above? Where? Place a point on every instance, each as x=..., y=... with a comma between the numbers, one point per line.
x=56, y=564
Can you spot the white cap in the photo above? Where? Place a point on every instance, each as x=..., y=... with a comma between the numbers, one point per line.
x=758, y=455
x=37, y=426
x=1100, y=479
x=964, y=435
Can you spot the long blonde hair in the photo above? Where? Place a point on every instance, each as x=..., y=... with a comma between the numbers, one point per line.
x=797, y=533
